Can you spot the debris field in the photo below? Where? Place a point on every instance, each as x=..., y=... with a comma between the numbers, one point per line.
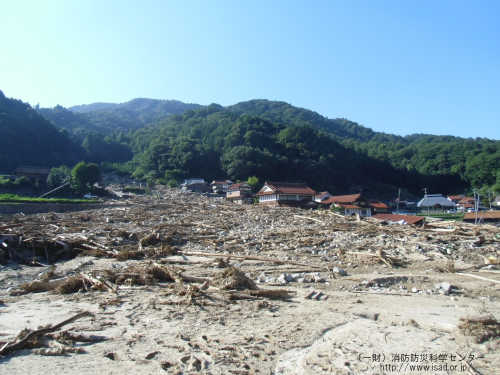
x=178, y=283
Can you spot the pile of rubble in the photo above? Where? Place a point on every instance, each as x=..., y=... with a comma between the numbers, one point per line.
x=146, y=227
x=204, y=252
x=276, y=246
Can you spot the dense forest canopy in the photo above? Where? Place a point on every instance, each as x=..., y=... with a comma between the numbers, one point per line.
x=476, y=161
x=29, y=139
x=215, y=141
x=100, y=128
x=107, y=118
x=171, y=140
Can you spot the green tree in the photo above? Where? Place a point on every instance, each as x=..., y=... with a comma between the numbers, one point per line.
x=84, y=175
x=253, y=181
x=173, y=177
x=58, y=176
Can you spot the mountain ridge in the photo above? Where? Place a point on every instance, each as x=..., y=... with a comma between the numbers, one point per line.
x=114, y=117
x=30, y=139
x=134, y=125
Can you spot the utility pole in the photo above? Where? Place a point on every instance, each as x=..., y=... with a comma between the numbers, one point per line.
x=476, y=206
x=399, y=198
x=425, y=196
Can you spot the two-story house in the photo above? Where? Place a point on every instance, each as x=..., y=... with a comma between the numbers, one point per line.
x=290, y=194
x=240, y=193
x=220, y=186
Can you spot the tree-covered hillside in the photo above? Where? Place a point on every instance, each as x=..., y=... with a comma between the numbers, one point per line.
x=76, y=123
x=170, y=140
x=476, y=161
x=84, y=108
x=108, y=117
x=29, y=139
x=284, y=113
x=100, y=128
x=214, y=141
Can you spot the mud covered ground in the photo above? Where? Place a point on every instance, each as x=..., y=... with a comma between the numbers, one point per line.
x=363, y=297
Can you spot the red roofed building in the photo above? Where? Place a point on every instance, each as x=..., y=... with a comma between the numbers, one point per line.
x=352, y=204
x=285, y=194
x=379, y=207
x=351, y=198
x=465, y=203
x=456, y=198
x=239, y=193
x=483, y=216
x=400, y=219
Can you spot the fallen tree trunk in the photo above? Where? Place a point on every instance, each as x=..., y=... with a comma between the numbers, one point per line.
x=479, y=277
x=248, y=257
x=21, y=343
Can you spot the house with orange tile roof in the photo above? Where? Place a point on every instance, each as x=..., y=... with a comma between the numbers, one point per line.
x=240, y=193
x=379, y=207
x=465, y=204
x=400, y=219
x=492, y=216
x=352, y=204
x=291, y=194
x=456, y=198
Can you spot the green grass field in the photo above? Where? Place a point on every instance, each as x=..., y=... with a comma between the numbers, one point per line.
x=454, y=216
x=13, y=198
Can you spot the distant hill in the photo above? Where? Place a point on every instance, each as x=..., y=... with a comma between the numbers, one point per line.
x=476, y=161
x=84, y=108
x=215, y=141
x=30, y=139
x=107, y=118
x=284, y=113
x=190, y=139
x=76, y=123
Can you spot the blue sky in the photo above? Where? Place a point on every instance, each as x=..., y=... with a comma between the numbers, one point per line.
x=395, y=66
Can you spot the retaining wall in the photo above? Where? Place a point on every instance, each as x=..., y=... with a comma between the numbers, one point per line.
x=35, y=208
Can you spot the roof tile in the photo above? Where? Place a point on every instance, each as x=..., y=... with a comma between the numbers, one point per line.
x=409, y=219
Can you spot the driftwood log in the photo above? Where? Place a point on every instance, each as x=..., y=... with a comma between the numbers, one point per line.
x=21, y=343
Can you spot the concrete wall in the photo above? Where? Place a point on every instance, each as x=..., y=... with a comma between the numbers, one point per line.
x=35, y=208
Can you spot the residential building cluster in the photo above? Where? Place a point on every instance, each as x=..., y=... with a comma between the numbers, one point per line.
x=296, y=194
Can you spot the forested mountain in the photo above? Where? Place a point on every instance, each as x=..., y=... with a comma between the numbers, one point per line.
x=215, y=141
x=76, y=123
x=108, y=118
x=170, y=140
x=84, y=108
x=476, y=161
x=100, y=127
x=284, y=113
x=30, y=139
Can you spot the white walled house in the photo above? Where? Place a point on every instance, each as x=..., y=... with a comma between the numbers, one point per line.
x=220, y=186
x=286, y=194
